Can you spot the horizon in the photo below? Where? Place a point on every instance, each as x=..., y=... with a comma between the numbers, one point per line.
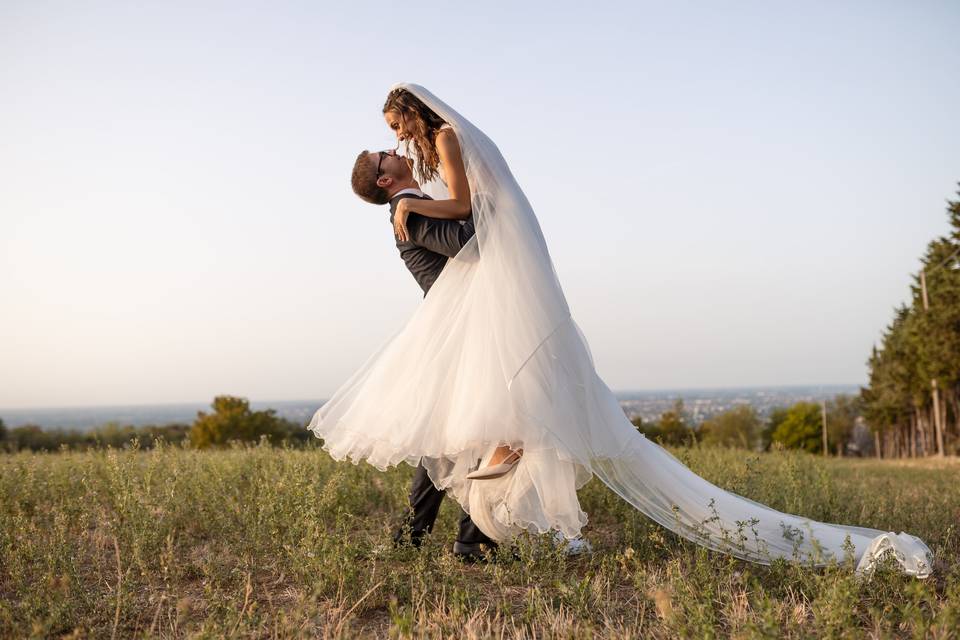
x=616, y=392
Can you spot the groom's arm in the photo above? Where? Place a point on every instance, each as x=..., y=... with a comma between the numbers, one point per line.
x=446, y=237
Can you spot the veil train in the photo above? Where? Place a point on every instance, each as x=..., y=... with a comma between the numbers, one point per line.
x=492, y=356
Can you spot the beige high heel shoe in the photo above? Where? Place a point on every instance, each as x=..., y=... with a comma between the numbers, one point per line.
x=497, y=470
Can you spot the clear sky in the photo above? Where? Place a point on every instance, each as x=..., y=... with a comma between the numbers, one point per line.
x=733, y=193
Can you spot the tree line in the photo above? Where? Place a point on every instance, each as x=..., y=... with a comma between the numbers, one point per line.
x=231, y=420
x=912, y=401
x=808, y=426
x=795, y=427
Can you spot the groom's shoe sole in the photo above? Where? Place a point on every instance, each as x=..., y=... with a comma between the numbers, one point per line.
x=480, y=552
x=473, y=552
x=470, y=553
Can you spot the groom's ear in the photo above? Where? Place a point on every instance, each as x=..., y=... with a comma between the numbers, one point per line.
x=385, y=182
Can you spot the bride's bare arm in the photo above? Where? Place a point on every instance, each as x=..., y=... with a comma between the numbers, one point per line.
x=457, y=207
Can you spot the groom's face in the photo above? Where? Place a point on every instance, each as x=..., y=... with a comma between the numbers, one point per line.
x=393, y=168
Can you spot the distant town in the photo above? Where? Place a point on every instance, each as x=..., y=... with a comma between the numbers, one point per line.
x=703, y=404
x=699, y=405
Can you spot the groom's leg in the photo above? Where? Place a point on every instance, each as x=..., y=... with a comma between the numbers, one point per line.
x=470, y=533
x=472, y=545
x=425, y=502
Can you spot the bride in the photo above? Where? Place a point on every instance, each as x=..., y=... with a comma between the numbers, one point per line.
x=491, y=385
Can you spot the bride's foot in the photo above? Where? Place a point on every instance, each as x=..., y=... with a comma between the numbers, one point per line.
x=501, y=462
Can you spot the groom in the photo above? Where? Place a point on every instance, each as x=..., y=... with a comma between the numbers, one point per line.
x=383, y=177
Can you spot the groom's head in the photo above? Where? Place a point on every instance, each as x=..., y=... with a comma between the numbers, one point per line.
x=378, y=175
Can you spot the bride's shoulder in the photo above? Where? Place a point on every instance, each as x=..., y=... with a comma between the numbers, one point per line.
x=448, y=148
x=446, y=131
x=446, y=138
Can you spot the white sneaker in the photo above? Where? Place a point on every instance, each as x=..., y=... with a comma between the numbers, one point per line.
x=573, y=546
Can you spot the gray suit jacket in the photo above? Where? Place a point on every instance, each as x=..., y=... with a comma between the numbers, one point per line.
x=431, y=241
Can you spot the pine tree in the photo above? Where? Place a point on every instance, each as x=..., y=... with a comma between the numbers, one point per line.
x=920, y=346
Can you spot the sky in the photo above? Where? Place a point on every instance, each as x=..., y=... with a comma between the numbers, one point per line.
x=733, y=194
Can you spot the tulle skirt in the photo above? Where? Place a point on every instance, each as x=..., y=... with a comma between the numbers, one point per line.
x=435, y=393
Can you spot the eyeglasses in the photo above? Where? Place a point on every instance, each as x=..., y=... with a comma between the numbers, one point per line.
x=380, y=160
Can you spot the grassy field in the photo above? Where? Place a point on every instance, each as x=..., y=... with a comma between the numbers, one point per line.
x=263, y=542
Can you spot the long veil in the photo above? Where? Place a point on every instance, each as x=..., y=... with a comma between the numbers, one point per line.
x=492, y=356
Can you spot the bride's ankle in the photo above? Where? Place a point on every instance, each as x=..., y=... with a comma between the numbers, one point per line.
x=503, y=452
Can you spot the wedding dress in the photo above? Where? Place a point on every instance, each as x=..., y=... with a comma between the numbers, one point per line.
x=492, y=356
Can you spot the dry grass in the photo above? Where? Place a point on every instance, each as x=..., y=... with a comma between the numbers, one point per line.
x=261, y=542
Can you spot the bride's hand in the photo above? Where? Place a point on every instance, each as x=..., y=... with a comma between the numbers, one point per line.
x=400, y=220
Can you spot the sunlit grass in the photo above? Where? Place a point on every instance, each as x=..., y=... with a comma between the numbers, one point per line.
x=268, y=542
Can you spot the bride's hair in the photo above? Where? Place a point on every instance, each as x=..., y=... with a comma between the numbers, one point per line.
x=422, y=123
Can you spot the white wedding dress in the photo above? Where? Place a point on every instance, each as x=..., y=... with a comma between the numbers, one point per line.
x=492, y=356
